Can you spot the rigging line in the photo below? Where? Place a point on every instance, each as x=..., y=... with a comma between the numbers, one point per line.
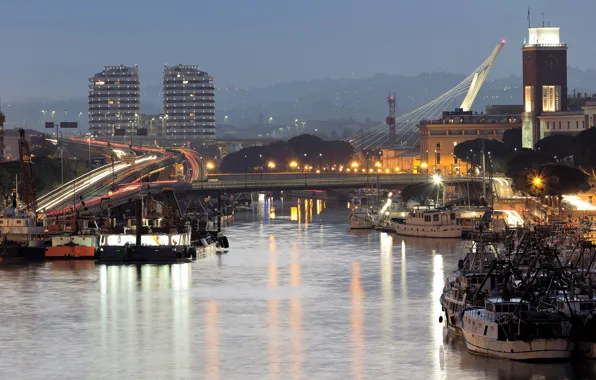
x=431, y=111
x=379, y=140
x=447, y=105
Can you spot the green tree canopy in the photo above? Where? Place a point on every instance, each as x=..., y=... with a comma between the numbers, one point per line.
x=304, y=149
x=513, y=138
x=556, y=146
x=583, y=149
x=554, y=179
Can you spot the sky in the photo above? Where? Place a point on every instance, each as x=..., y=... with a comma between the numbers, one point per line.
x=49, y=49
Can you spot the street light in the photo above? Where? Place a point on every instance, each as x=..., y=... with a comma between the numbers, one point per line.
x=271, y=165
x=537, y=181
x=245, y=169
x=210, y=165
x=225, y=119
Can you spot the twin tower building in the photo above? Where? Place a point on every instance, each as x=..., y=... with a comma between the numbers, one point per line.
x=188, y=104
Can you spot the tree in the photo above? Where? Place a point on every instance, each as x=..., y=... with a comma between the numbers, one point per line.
x=513, y=138
x=583, y=150
x=304, y=149
x=521, y=163
x=496, y=153
x=556, y=146
x=555, y=180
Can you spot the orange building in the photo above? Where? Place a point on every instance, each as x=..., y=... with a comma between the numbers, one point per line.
x=439, y=137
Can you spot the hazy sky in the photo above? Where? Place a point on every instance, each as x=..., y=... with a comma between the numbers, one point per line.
x=50, y=48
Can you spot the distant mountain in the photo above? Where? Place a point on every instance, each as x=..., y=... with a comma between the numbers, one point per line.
x=356, y=99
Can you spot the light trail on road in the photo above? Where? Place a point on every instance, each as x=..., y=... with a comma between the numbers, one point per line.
x=69, y=192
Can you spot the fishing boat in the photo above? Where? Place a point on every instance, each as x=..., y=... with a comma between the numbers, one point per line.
x=21, y=237
x=480, y=274
x=426, y=221
x=511, y=329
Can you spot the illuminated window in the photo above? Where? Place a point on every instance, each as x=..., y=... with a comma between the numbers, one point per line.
x=529, y=98
x=110, y=102
x=551, y=98
x=184, y=82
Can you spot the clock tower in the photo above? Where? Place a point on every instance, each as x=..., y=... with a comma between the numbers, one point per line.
x=544, y=79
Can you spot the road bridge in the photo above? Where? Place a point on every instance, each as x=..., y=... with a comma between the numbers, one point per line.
x=317, y=182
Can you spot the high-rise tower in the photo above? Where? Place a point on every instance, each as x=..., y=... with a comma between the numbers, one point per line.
x=544, y=79
x=114, y=101
x=188, y=103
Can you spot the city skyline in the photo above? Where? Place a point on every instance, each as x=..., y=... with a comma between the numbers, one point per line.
x=250, y=45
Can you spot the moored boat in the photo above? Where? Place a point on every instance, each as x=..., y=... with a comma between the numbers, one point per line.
x=509, y=329
x=425, y=221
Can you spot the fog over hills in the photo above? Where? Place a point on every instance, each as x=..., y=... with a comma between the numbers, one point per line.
x=315, y=100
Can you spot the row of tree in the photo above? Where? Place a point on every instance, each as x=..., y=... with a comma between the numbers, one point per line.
x=304, y=150
x=557, y=166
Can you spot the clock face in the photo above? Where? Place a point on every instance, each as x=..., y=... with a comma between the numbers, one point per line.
x=551, y=61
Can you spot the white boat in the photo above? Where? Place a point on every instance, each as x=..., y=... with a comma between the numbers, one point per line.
x=476, y=279
x=361, y=220
x=425, y=221
x=507, y=329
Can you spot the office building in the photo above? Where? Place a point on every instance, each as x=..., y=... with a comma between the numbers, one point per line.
x=114, y=101
x=188, y=104
x=439, y=137
x=544, y=80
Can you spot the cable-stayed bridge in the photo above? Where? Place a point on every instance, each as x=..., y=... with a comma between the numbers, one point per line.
x=405, y=132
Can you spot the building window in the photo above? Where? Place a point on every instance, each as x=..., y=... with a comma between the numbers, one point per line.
x=438, y=145
x=568, y=125
x=547, y=125
x=577, y=124
x=438, y=158
x=551, y=98
x=559, y=125
x=529, y=98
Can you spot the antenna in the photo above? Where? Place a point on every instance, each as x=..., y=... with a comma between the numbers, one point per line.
x=529, y=22
x=543, y=19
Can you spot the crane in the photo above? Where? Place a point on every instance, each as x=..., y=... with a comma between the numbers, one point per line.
x=29, y=197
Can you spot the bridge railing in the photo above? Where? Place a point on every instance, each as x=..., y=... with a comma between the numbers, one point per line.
x=315, y=181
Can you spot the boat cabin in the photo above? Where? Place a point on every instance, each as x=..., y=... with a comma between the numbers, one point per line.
x=579, y=305
x=427, y=215
x=497, y=307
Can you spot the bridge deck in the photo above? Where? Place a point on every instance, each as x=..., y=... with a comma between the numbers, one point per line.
x=316, y=182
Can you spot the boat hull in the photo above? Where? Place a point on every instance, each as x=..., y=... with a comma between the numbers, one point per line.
x=586, y=349
x=140, y=254
x=22, y=253
x=443, y=232
x=537, y=349
x=70, y=252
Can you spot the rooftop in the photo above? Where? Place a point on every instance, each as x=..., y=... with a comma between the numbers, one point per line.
x=544, y=37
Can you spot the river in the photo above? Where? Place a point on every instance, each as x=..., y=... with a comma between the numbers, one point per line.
x=298, y=296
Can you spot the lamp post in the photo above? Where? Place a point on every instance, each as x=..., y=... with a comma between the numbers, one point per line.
x=245, y=170
x=62, y=164
x=438, y=181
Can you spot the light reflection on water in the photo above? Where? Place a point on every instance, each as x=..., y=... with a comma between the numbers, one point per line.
x=299, y=296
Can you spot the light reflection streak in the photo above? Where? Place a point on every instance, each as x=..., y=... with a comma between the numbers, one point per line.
x=436, y=328
x=357, y=319
x=212, y=341
x=404, y=271
x=181, y=314
x=273, y=313
x=387, y=285
x=296, y=314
